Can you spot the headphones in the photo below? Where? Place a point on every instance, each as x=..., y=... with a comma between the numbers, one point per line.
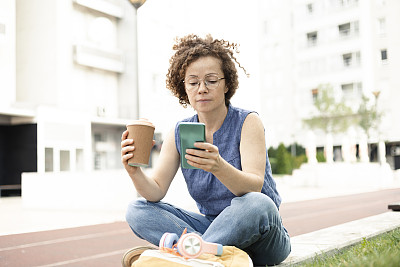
x=189, y=245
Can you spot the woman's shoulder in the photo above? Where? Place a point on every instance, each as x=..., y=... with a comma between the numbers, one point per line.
x=241, y=112
x=241, y=115
x=253, y=120
x=247, y=119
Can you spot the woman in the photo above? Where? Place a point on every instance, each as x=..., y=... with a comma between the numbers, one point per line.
x=233, y=186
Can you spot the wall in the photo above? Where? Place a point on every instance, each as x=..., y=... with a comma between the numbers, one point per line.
x=7, y=53
x=36, y=51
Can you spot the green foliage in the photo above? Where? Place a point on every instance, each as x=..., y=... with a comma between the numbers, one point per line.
x=320, y=156
x=381, y=251
x=299, y=150
x=368, y=116
x=336, y=117
x=272, y=152
x=273, y=162
x=281, y=160
x=298, y=160
x=283, y=164
x=333, y=116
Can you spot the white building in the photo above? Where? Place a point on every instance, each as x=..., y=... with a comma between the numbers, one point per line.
x=353, y=45
x=68, y=75
x=67, y=85
x=68, y=78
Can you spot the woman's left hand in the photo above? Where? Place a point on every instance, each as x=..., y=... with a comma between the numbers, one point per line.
x=206, y=157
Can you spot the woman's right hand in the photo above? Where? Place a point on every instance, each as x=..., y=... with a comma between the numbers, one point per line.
x=127, y=148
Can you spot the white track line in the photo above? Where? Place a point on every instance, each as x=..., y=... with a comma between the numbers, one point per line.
x=67, y=239
x=86, y=258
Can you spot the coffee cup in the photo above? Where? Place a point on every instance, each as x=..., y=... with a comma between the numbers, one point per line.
x=142, y=132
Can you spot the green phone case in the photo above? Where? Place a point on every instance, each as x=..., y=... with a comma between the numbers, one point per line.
x=189, y=133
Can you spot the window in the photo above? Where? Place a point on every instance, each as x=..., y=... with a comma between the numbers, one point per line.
x=48, y=159
x=355, y=27
x=352, y=91
x=98, y=137
x=312, y=38
x=381, y=26
x=347, y=59
x=347, y=2
x=384, y=55
x=348, y=29
x=344, y=29
x=80, y=161
x=64, y=160
x=314, y=93
x=347, y=89
x=359, y=90
x=310, y=8
x=358, y=58
x=351, y=59
x=265, y=28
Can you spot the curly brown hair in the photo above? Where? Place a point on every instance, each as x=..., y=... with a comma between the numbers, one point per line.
x=189, y=49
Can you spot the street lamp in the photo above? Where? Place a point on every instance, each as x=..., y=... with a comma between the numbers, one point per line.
x=376, y=94
x=136, y=4
x=381, y=145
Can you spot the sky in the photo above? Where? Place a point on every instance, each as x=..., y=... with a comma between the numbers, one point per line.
x=161, y=21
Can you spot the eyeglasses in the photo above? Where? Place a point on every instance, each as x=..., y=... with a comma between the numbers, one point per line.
x=211, y=81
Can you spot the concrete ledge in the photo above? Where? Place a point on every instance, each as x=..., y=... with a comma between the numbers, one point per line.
x=307, y=246
x=92, y=191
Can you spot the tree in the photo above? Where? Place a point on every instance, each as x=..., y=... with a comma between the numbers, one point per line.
x=283, y=160
x=368, y=116
x=332, y=116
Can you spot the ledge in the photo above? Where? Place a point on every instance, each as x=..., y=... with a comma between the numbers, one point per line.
x=307, y=246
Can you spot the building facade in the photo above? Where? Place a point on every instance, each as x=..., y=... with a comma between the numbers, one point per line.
x=350, y=45
x=67, y=85
x=68, y=74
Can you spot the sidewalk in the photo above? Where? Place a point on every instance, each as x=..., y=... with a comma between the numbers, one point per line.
x=20, y=219
x=17, y=218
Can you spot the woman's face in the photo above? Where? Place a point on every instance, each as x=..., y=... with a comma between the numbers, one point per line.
x=201, y=98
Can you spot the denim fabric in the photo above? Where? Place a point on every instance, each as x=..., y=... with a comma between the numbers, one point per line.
x=211, y=196
x=251, y=222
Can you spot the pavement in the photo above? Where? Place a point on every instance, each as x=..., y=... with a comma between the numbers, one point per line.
x=17, y=219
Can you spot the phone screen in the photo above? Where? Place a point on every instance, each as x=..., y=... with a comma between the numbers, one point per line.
x=190, y=133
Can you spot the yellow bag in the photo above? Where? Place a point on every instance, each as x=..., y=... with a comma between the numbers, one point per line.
x=231, y=257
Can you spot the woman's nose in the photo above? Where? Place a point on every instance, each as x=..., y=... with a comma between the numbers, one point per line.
x=202, y=87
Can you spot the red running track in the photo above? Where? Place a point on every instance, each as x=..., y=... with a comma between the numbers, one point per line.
x=104, y=244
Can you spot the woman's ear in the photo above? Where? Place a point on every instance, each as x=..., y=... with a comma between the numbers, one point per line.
x=226, y=90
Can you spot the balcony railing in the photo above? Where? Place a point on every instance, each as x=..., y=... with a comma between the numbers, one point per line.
x=110, y=60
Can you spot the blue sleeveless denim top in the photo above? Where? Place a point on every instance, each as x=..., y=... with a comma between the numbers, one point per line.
x=210, y=194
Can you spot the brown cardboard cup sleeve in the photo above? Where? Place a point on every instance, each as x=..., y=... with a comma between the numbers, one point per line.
x=141, y=131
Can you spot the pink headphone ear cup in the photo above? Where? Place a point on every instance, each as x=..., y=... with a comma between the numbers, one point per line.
x=168, y=240
x=190, y=245
x=161, y=243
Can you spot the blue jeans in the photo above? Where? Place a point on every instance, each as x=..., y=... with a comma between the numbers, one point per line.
x=252, y=223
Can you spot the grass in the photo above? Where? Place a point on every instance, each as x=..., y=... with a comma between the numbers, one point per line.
x=383, y=250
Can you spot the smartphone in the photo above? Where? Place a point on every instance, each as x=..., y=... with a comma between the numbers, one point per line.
x=190, y=133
